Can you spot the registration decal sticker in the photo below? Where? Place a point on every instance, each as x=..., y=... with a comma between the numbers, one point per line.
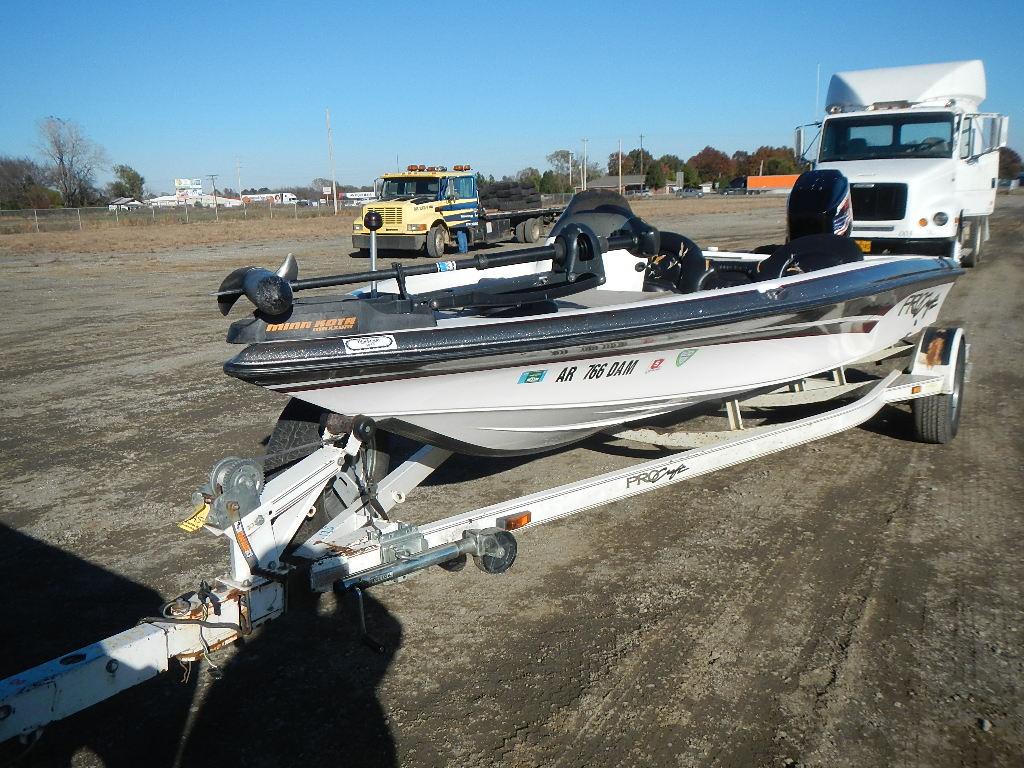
x=447, y=266
x=362, y=345
x=532, y=377
x=684, y=355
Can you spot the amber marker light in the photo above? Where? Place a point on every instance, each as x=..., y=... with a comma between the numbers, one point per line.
x=922, y=222
x=512, y=522
x=916, y=389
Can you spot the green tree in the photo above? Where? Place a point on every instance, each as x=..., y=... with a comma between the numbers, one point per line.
x=530, y=176
x=1009, y=164
x=23, y=184
x=656, y=176
x=641, y=160
x=613, y=164
x=690, y=176
x=673, y=164
x=129, y=183
x=548, y=183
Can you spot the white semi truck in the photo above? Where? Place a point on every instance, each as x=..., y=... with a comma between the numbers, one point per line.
x=921, y=158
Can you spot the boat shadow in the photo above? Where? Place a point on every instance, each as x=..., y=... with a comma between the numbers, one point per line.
x=303, y=685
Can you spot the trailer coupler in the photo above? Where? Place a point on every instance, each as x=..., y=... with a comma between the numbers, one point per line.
x=493, y=550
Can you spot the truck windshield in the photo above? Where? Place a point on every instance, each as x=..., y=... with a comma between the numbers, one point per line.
x=413, y=186
x=887, y=137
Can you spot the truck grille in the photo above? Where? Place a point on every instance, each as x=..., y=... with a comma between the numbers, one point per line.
x=392, y=216
x=879, y=202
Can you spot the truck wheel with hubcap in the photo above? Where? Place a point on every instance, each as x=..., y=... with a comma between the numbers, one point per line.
x=437, y=239
x=531, y=231
x=937, y=417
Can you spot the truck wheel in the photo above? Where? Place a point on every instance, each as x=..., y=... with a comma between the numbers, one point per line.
x=531, y=231
x=520, y=233
x=937, y=418
x=437, y=238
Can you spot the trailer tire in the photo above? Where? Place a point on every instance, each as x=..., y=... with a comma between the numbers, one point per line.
x=520, y=233
x=437, y=239
x=937, y=417
x=531, y=231
x=301, y=424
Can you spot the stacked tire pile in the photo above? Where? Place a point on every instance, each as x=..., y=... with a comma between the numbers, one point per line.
x=511, y=196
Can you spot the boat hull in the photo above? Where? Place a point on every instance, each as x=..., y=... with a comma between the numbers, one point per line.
x=553, y=397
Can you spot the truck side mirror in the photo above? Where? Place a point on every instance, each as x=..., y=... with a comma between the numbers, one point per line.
x=798, y=143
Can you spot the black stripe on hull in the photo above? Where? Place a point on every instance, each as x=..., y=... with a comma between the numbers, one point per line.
x=808, y=307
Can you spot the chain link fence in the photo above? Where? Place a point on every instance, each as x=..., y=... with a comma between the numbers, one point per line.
x=75, y=219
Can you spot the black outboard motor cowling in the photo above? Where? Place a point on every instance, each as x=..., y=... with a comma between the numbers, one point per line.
x=820, y=204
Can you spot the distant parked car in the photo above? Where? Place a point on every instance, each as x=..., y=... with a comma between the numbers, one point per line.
x=732, y=191
x=690, y=192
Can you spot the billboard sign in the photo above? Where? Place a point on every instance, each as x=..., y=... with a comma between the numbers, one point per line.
x=188, y=188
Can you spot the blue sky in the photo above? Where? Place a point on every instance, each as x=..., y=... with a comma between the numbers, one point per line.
x=182, y=88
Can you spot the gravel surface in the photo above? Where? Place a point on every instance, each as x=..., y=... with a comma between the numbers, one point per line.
x=855, y=602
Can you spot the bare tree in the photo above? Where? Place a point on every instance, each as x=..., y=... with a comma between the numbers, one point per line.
x=74, y=158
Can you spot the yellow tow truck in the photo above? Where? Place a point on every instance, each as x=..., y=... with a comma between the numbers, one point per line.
x=435, y=208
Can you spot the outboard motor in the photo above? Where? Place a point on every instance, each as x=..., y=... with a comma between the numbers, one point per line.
x=820, y=204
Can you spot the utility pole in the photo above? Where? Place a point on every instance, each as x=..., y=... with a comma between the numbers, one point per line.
x=620, y=166
x=330, y=153
x=641, y=155
x=583, y=172
x=238, y=178
x=570, y=172
x=213, y=180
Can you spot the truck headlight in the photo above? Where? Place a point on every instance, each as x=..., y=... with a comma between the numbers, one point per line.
x=940, y=218
x=416, y=228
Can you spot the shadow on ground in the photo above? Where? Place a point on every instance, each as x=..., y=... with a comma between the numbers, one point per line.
x=301, y=689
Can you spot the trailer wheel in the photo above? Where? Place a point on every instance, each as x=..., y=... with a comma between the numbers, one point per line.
x=531, y=231
x=437, y=239
x=937, y=418
x=298, y=429
x=500, y=554
x=520, y=232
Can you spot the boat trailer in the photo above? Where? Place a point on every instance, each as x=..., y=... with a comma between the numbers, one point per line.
x=363, y=546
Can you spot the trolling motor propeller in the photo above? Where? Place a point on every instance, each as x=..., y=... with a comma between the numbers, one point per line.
x=270, y=292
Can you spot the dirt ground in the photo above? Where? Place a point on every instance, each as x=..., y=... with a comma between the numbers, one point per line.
x=142, y=237
x=856, y=602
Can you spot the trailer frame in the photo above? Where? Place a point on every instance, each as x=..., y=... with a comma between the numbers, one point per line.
x=363, y=547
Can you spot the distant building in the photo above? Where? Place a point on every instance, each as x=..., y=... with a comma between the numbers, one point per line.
x=123, y=204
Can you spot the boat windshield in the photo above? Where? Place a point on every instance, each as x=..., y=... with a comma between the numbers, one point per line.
x=887, y=137
x=602, y=211
x=411, y=186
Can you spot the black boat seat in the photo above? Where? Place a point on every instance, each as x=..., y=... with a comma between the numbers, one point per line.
x=679, y=267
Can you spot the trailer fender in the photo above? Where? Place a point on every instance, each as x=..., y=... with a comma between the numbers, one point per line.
x=936, y=354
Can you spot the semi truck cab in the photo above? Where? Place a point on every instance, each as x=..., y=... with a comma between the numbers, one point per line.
x=922, y=161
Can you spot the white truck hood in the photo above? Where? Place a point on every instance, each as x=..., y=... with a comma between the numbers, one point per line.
x=910, y=171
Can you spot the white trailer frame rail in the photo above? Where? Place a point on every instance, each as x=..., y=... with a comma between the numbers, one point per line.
x=362, y=547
